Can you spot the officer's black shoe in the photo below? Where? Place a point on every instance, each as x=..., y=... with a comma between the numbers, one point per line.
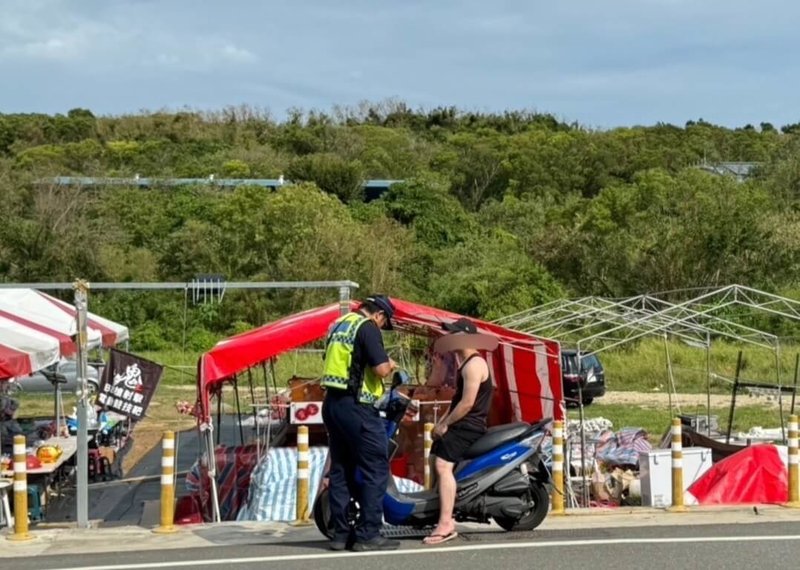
x=377, y=543
x=337, y=543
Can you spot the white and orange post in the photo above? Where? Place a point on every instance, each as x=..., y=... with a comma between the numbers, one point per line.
x=677, y=468
x=428, y=443
x=794, y=476
x=20, y=491
x=167, y=484
x=302, y=510
x=557, y=495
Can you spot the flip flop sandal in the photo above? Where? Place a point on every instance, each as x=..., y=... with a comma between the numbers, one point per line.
x=442, y=538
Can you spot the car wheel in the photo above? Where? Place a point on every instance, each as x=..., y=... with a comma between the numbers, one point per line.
x=587, y=400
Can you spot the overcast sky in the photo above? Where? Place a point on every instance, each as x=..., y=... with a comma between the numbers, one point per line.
x=603, y=63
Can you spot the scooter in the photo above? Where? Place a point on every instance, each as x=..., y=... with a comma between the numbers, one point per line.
x=502, y=478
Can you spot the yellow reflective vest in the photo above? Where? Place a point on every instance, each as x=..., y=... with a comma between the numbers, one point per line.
x=339, y=358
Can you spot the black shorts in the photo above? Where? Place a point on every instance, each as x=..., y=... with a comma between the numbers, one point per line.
x=455, y=443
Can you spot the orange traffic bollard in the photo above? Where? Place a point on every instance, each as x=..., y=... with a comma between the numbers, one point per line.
x=794, y=479
x=557, y=497
x=20, y=491
x=302, y=511
x=428, y=443
x=167, y=484
x=677, y=468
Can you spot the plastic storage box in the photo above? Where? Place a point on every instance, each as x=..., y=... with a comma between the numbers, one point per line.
x=655, y=473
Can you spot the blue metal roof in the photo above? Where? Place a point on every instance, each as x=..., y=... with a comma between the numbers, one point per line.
x=375, y=184
x=226, y=182
x=740, y=170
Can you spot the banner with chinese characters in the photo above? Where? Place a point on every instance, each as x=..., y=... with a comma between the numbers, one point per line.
x=128, y=384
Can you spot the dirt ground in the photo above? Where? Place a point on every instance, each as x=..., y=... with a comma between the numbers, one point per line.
x=147, y=435
x=161, y=416
x=661, y=399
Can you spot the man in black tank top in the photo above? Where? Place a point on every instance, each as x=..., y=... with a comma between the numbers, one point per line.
x=465, y=420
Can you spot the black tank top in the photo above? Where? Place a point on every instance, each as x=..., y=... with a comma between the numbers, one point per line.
x=475, y=419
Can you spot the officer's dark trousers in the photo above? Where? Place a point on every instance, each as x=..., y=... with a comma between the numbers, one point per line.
x=357, y=438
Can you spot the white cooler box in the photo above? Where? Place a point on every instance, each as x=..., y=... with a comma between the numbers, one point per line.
x=655, y=473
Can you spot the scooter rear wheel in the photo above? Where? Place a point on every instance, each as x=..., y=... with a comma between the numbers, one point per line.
x=534, y=517
x=322, y=514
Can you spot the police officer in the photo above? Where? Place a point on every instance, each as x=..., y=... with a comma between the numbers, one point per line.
x=355, y=365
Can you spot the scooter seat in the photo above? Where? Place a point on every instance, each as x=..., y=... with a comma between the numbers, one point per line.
x=497, y=436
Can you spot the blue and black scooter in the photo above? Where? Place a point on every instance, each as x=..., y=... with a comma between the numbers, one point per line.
x=501, y=478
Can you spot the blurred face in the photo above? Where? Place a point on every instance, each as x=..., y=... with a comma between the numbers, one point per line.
x=381, y=319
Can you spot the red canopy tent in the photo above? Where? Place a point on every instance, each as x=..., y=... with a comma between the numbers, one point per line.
x=527, y=369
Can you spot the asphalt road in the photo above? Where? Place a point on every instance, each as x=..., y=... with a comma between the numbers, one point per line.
x=766, y=545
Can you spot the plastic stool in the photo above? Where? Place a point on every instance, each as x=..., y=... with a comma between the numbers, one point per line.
x=35, y=502
x=94, y=466
x=8, y=518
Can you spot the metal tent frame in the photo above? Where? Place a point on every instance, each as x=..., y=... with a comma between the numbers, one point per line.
x=595, y=324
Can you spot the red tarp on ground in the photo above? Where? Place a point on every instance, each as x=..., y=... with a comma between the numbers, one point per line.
x=755, y=475
x=527, y=369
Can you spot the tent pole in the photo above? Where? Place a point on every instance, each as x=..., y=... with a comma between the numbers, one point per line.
x=794, y=392
x=58, y=409
x=252, y=394
x=733, y=398
x=780, y=389
x=708, y=383
x=82, y=492
x=212, y=474
x=272, y=372
x=670, y=381
x=266, y=382
x=219, y=414
x=185, y=317
x=238, y=408
x=585, y=493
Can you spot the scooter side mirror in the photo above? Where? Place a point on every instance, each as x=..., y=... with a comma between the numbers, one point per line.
x=400, y=378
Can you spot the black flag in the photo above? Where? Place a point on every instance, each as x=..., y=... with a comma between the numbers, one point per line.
x=128, y=384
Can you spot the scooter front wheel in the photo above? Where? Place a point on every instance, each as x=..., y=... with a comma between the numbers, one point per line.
x=534, y=517
x=322, y=514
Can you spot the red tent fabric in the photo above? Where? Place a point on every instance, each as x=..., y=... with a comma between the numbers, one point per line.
x=527, y=369
x=754, y=475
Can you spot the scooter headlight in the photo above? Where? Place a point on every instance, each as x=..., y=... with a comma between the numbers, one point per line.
x=533, y=441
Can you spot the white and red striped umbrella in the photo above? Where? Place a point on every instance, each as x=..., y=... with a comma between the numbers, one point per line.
x=32, y=323
x=39, y=311
x=23, y=350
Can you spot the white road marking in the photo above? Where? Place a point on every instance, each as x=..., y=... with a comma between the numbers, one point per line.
x=439, y=550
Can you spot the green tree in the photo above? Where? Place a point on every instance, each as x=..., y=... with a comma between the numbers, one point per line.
x=330, y=173
x=490, y=276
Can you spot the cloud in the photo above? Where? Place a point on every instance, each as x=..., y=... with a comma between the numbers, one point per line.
x=55, y=49
x=31, y=31
x=235, y=53
x=117, y=34
x=603, y=63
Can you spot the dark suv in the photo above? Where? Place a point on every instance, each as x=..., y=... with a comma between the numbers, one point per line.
x=589, y=377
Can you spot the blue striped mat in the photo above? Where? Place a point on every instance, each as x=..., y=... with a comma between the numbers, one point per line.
x=273, y=484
